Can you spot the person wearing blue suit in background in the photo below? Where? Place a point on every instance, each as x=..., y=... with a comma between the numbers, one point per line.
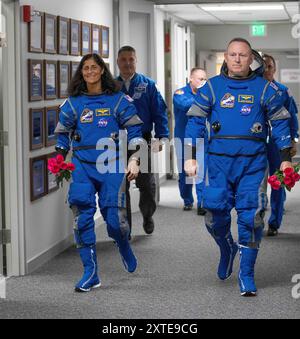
x=152, y=110
x=96, y=111
x=183, y=99
x=238, y=103
x=278, y=196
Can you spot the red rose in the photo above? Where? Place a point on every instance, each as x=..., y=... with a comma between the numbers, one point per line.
x=64, y=166
x=71, y=167
x=54, y=169
x=289, y=181
x=59, y=159
x=296, y=177
x=272, y=178
x=289, y=171
x=276, y=185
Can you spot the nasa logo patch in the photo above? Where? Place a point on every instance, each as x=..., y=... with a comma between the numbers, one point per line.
x=246, y=110
x=102, y=123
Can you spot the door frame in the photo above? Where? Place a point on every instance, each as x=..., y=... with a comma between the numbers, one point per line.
x=12, y=152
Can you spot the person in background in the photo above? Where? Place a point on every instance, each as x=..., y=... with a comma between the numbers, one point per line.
x=95, y=111
x=238, y=103
x=183, y=99
x=278, y=196
x=152, y=110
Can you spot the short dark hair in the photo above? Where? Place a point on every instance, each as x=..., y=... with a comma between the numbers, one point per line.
x=268, y=56
x=126, y=49
x=240, y=40
x=197, y=69
x=78, y=85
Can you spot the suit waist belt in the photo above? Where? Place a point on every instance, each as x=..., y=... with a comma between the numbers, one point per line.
x=82, y=148
x=238, y=137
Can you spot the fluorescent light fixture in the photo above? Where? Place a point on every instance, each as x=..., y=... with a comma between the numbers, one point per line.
x=242, y=8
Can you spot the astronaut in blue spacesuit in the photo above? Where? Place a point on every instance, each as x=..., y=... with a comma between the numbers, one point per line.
x=93, y=116
x=238, y=103
x=278, y=196
x=152, y=110
x=183, y=99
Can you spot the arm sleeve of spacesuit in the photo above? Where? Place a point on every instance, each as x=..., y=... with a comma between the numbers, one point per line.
x=279, y=118
x=128, y=118
x=159, y=113
x=197, y=114
x=292, y=108
x=66, y=125
x=181, y=101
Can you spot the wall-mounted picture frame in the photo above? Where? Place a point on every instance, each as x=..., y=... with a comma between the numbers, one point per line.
x=63, y=78
x=50, y=73
x=104, y=42
x=35, y=80
x=52, y=185
x=86, y=35
x=36, y=128
x=50, y=33
x=63, y=35
x=73, y=68
x=96, y=30
x=36, y=34
x=75, y=37
x=51, y=120
x=38, y=177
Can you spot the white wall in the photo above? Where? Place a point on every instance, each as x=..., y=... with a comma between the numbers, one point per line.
x=48, y=221
x=216, y=37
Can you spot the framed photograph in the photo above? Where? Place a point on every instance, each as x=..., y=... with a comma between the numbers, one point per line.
x=36, y=128
x=50, y=71
x=96, y=29
x=50, y=34
x=75, y=37
x=63, y=31
x=104, y=42
x=51, y=120
x=38, y=177
x=86, y=45
x=74, y=66
x=51, y=182
x=63, y=78
x=35, y=80
x=36, y=34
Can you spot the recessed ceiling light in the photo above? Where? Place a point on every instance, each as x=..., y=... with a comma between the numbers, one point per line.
x=243, y=8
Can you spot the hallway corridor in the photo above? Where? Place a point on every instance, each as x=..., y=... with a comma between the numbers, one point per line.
x=176, y=277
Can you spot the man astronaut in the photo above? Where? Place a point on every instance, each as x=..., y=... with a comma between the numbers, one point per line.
x=278, y=196
x=182, y=100
x=152, y=110
x=238, y=104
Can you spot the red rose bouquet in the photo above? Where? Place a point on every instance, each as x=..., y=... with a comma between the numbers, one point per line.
x=285, y=179
x=61, y=169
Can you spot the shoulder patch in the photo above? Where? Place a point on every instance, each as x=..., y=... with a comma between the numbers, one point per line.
x=274, y=86
x=129, y=98
x=179, y=92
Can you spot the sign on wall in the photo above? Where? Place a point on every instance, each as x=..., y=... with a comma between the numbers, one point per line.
x=289, y=76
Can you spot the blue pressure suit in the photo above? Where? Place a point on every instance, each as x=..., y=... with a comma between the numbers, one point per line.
x=152, y=110
x=238, y=110
x=278, y=196
x=84, y=121
x=183, y=99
